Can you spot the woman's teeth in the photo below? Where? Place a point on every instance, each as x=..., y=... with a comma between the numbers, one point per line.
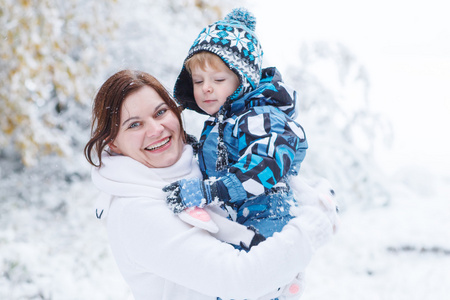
x=159, y=145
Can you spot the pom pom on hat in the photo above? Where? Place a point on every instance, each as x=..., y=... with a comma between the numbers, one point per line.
x=243, y=16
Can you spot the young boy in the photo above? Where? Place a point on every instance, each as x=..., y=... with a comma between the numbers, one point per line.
x=251, y=144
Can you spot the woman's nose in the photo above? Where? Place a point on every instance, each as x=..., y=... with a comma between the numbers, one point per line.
x=154, y=129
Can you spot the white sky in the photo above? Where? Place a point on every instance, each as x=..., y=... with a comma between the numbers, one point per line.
x=405, y=46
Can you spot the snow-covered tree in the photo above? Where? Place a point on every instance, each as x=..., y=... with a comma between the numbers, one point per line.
x=157, y=35
x=341, y=127
x=51, y=53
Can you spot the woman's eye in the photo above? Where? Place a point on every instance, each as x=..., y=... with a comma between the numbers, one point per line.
x=134, y=125
x=161, y=112
x=198, y=82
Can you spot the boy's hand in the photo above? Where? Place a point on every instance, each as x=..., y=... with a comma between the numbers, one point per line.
x=186, y=193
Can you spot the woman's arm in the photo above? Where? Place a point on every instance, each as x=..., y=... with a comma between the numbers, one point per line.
x=159, y=243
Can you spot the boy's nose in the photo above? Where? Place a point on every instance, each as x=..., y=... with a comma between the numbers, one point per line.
x=207, y=88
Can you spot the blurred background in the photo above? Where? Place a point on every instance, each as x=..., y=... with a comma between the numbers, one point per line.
x=374, y=99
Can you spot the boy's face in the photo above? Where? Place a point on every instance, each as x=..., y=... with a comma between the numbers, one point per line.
x=213, y=86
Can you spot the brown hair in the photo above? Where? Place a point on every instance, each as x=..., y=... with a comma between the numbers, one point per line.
x=108, y=105
x=203, y=59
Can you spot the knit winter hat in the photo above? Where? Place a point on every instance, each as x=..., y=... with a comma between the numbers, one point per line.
x=232, y=39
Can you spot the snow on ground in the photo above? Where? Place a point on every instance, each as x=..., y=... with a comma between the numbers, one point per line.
x=401, y=251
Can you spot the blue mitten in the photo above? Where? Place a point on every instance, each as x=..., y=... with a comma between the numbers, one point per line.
x=186, y=193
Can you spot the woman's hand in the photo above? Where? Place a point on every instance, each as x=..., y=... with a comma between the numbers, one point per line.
x=318, y=194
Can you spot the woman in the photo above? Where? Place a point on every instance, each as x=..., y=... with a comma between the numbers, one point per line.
x=138, y=146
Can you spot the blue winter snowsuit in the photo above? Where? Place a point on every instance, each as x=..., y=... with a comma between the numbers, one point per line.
x=265, y=145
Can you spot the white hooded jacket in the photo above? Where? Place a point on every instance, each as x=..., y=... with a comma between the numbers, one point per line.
x=163, y=258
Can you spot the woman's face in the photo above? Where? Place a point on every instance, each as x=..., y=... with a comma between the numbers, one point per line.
x=149, y=131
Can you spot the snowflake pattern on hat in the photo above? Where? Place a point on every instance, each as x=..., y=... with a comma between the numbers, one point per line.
x=234, y=41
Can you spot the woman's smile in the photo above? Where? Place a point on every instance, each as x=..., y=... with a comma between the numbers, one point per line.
x=161, y=145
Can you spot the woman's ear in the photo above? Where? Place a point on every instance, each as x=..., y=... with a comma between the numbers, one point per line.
x=114, y=148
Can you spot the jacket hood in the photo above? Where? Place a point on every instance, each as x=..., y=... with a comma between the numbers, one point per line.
x=271, y=91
